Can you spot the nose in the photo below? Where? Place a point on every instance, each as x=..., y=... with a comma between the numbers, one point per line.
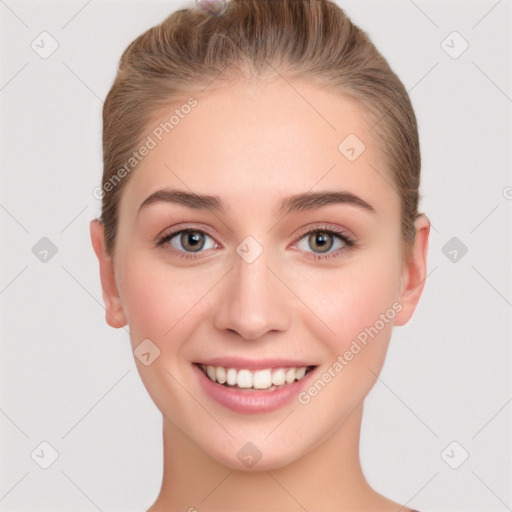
x=252, y=302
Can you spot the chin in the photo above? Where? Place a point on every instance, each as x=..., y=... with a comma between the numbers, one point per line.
x=253, y=460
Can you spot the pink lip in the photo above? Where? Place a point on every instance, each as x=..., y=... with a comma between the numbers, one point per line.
x=250, y=364
x=252, y=402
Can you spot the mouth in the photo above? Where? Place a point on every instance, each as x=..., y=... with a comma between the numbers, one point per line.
x=247, y=387
x=264, y=379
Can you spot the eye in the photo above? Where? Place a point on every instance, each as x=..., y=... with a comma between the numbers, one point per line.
x=188, y=241
x=321, y=243
x=325, y=242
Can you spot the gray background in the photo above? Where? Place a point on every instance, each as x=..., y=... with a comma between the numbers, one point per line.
x=70, y=380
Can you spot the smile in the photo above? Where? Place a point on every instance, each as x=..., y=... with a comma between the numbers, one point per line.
x=268, y=378
x=247, y=389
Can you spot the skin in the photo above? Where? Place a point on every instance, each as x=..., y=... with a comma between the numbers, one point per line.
x=252, y=145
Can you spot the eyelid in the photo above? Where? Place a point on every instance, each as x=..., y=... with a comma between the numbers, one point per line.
x=163, y=238
x=323, y=226
x=185, y=226
x=342, y=233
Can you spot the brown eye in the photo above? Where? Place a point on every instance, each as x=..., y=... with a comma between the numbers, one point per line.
x=187, y=241
x=320, y=241
x=192, y=240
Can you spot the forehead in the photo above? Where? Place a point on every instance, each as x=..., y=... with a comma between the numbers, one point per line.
x=256, y=142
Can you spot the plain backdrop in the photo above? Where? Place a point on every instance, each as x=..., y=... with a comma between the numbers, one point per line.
x=70, y=381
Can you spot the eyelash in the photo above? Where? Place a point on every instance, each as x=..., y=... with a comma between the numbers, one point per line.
x=328, y=229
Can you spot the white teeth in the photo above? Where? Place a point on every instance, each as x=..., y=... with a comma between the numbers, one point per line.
x=278, y=377
x=290, y=375
x=220, y=373
x=262, y=379
x=231, y=377
x=300, y=372
x=244, y=379
x=210, y=371
x=257, y=379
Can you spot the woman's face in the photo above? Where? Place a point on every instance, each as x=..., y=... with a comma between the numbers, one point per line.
x=248, y=289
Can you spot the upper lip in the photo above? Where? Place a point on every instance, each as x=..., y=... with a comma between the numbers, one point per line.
x=240, y=363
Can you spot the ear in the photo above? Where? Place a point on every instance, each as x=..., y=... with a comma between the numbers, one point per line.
x=114, y=314
x=414, y=272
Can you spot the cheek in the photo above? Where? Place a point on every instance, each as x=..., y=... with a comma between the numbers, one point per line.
x=359, y=303
x=156, y=297
x=350, y=301
x=160, y=303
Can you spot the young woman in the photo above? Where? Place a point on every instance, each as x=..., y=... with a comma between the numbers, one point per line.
x=260, y=236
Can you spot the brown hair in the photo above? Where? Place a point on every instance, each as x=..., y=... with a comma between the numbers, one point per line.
x=306, y=39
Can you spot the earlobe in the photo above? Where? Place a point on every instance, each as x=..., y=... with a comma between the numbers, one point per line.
x=114, y=314
x=414, y=272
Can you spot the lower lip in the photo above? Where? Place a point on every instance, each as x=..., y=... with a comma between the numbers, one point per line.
x=251, y=402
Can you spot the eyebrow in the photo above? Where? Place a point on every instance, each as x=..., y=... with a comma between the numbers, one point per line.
x=182, y=197
x=295, y=203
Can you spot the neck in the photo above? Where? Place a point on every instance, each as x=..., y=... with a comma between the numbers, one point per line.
x=329, y=477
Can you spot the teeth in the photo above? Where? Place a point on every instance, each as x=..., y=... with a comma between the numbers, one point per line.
x=244, y=379
x=257, y=379
x=231, y=377
x=278, y=377
x=290, y=375
x=220, y=373
x=262, y=379
x=210, y=371
x=300, y=372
